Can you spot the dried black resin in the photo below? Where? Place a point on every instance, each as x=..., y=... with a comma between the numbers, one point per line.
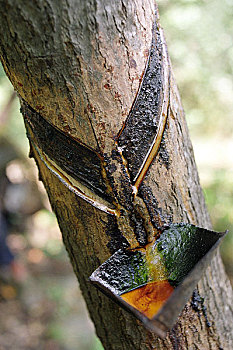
x=141, y=124
x=76, y=160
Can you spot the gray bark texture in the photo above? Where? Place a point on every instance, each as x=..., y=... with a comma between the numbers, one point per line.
x=77, y=66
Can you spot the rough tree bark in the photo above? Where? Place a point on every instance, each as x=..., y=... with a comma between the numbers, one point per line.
x=78, y=66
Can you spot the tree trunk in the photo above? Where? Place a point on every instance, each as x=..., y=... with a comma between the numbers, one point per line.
x=78, y=67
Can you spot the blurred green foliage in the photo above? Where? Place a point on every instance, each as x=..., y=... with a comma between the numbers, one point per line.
x=200, y=43
x=13, y=129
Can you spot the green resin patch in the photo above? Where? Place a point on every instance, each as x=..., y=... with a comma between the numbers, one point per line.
x=182, y=246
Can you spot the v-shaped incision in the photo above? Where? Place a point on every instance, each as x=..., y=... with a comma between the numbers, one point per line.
x=82, y=169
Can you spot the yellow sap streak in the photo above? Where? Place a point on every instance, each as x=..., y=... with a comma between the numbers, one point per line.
x=150, y=298
x=155, y=263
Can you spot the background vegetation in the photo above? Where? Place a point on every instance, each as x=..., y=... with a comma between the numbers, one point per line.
x=40, y=299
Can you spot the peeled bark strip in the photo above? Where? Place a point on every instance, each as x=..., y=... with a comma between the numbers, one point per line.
x=108, y=133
